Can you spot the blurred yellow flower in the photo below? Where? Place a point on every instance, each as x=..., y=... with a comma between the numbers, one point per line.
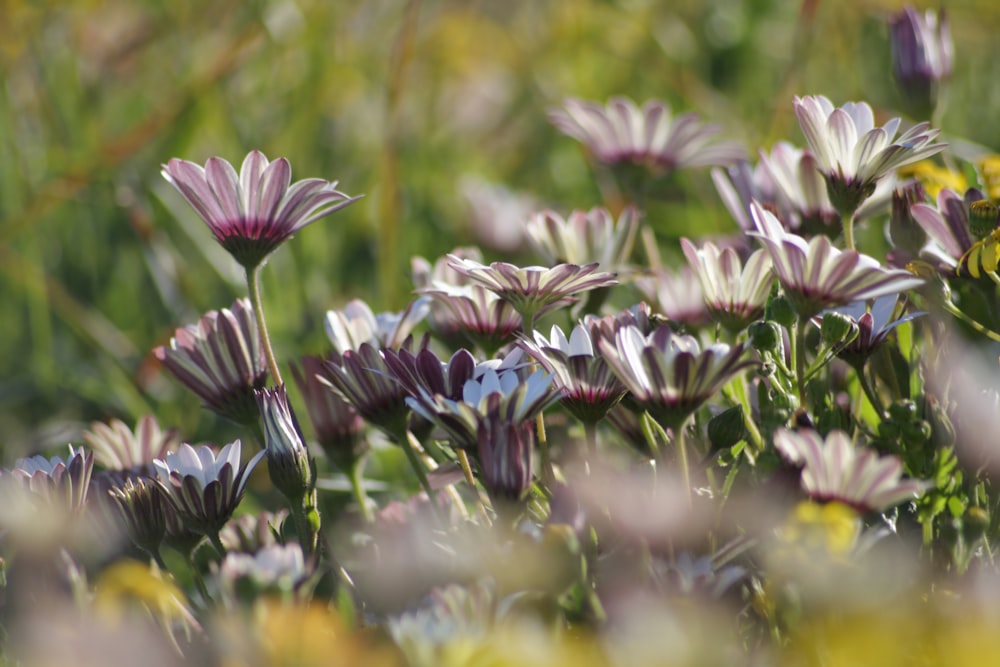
x=935, y=178
x=989, y=172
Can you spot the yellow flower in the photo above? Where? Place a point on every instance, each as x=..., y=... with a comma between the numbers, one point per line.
x=989, y=172
x=831, y=528
x=935, y=178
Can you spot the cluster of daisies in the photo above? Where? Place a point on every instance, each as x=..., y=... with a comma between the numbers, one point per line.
x=591, y=438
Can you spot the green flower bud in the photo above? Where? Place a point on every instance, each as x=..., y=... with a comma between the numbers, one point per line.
x=727, y=428
x=781, y=311
x=889, y=429
x=837, y=329
x=765, y=336
x=983, y=218
x=916, y=432
x=974, y=523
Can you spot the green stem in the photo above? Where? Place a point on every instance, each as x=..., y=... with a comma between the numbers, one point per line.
x=849, y=231
x=410, y=445
x=682, y=461
x=869, y=391
x=216, y=541
x=953, y=309
x=199, y=581
x=305, y=528
x=357, y=476
x=799, y=350
x=253, y=285
x=590, y=433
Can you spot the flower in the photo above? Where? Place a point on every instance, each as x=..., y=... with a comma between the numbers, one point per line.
x=117, y=447
x=873, y=324
x=504, y=456
x=922, y=55
x=505, y=395
x=463, y=313
x=852, y=153
x=496, y=214
x=288, y=461
x=202, y=486
x=357, y=324
x=675, y=295
x=735, y=294
x=948, y=226
x=58, y=483
x=425, y=373
x=221, y=359
x=584, y=236
x=255, y=212
x=250, y=533
x=651, y=137
x=338, y=426
x=816, y=276
x=669, y=374
x=140, y=505
x=740, y=184
x=274, y=567
x=589, y=387
x=534, y=290
x=833, y=469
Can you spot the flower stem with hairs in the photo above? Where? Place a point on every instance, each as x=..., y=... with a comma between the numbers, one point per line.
x=357, y=477
x=253, y=285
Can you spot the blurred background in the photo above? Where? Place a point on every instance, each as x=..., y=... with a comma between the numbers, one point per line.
x=417, y=105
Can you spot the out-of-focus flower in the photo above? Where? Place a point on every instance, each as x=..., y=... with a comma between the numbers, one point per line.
x=424, y=373
x=588, y=385
x=221, y=359
x=852, y=153
x=338, y=426
x=797, y=178
x=675, y=295
x=816, y=276
x=948, y=226
x=497, y=214
x=734, y=293
x=922, y=55
x=534, y=290
x=933, y=177
x=688, y=575
x=253, y=213
x=741, y=184
x=288, y=461
x=834, y=469
x=277, y=567
x=907, y=236
x=250, y=533
x=140, y=505
x=463, y=313
x=989, y=174
x=669, y=374
x=59, y=484
x=651, y=137
x=117, y=447
x=357, y=324
x=204, y=488
x=584, y=237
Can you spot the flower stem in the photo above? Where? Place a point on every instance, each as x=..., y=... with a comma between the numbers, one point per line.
x=199, y=581
x=953, y=309
x=682, y=460
x=357, y=477
x=410, y=445
x=799, y=350
x=253, y=285
x=849, y=231
x=306, y=519
x=869, y=390
x=590, y=433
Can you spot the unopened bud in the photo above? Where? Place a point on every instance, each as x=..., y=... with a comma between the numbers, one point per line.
x=781, y=311
x=904, y=231
x=727, y=428
x=983, y=218
x=765, y=336
x=837, y=329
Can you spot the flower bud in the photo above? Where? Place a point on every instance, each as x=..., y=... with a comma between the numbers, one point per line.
x=983, y=218
x=505, y=456
x=903, y=411
x=837, y=330
x=765, y=336
x=922, y=55
x=727, y=428
x=781, y=311
x=974, y=523
x=287, y=459
x=904, y=231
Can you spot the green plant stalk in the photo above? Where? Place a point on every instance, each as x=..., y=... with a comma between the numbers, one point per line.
x=869, y=390
x=799, y=352
x=682, y=461
x=357, y=476
x=409, y=444
x=253, y=286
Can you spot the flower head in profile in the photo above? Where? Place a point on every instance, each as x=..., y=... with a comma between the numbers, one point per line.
x=734, y=293
x=816, y=276
x=357, y=324
x=255, y=211
x=922, y=55
x=852, y=153
x=203, y=487
x=670, y=375
x=949, y=227
x=874, y=324
x=675, y=295
x=221, y=359
x=119, y=448
x=589, y=387
x=140, y=506
x=584, y=237
x=834, y=469
x=58, y=483
x=288, y=461
x=534, y=290
x=652, y=136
